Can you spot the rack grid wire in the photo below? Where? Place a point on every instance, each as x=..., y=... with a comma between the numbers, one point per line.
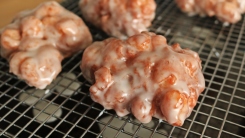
x=220, y=110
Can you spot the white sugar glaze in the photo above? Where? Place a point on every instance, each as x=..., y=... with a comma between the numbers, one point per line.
x=145, y=76
x=225, y=10
x=119, y=18
x=38, y=40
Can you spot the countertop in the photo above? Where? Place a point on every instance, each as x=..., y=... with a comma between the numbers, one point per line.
x=9, y=8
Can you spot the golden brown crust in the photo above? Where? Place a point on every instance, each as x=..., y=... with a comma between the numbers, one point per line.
x=145, y=76
x=225, y=10
x=36, y=42
x=119, y=18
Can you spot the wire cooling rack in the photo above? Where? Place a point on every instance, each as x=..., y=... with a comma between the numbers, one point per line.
x=220, y=110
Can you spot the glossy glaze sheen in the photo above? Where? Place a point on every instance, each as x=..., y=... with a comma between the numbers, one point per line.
x=225, y=10
x=145, y=76
x=37, y=40
x=119, y=18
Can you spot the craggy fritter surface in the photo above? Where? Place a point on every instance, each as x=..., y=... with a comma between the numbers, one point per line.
x=37, y=40
x=145, y=76
x=229, y=11
x=119, y=18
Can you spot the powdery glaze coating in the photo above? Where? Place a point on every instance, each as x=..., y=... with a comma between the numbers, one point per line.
x=37, y=40
x=145, y=76
x=119, y=18
x=225, y=10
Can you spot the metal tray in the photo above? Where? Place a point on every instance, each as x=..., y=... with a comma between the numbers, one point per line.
x=220, y=110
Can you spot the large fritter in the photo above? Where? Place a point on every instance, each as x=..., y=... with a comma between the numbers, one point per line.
x=225, y=10
x=145, y=76
x=119, y=18
x=37, y=40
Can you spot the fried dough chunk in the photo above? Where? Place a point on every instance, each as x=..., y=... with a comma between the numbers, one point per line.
x=119, y=18
x=38, y=40
x=229, y=11
x=145, y=76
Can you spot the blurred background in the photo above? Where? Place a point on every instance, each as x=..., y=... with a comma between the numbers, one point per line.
x=9, y=8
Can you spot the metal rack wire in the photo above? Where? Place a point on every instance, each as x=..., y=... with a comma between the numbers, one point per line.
x=220, y=110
